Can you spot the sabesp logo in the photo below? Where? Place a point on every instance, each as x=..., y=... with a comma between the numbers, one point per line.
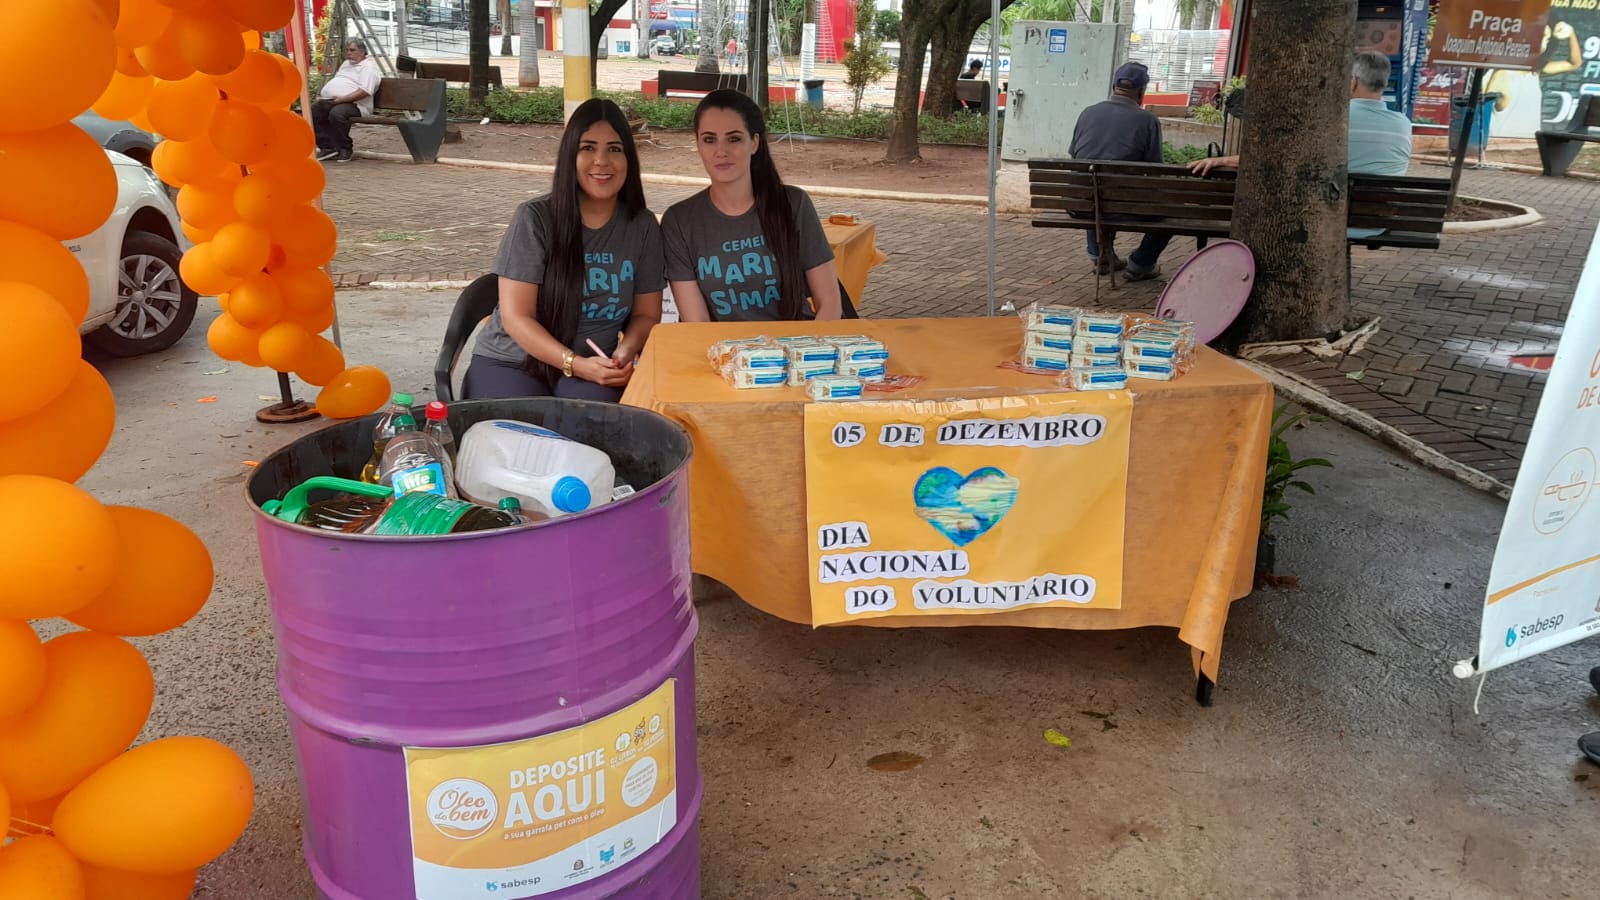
x=1549, y=624
x=462, y=808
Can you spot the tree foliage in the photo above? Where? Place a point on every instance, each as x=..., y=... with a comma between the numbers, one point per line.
x=864, y=59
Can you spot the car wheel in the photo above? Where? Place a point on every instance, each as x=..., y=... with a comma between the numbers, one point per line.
x=154, y=306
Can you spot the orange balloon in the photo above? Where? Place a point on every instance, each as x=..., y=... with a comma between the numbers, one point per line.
x=40, y=867
x=5, y=801
x=75, y=428
x=162, y=56
x=182, y=110
x=186, y=4
x=206, y=207
x=357, y=391
x=255, y=302
x=202, y=274
x=241, y=248
x=256, y=79
x=288, y=88
x=315, y=321
x=97, y=693
x=195, y=234
x=33, y=257
x=22, y=671
x=232, y=341
x=252, y=40
x=304, y=288
x=261, y=199
x=285, y=346
x=35, y=815
x=324, y=362
x=259, y=15
x=128, y=63
x=58, y=546
x=295, y=139
x=242, y=132
x=141, y=22
x=31, y=43
x=39, y=350
x=164, y=807
x=125, y=96
x=308, y=235
x=208, y=41
x=115, y=884
x=276, y=258
x=302, y=179
x=57, y=180
x=198, y=163
x=164, y=579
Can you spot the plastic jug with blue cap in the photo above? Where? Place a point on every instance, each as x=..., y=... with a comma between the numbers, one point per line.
x=546, y=472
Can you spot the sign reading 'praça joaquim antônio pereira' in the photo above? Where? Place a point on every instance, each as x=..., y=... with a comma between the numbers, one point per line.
x=1500, y=34
x=974, y=507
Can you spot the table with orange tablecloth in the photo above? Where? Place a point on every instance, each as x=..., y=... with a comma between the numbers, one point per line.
x=855, y=253
x=1196, y=458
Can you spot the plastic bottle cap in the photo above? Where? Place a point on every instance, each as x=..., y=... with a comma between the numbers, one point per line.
x=570, y=494
x=510, y=503
x=435, y=410
x=402, y=399
x=406, y=420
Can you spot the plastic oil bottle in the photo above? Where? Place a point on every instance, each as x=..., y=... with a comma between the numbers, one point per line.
x=438, y=425
x=400, y=404
x=414, y=462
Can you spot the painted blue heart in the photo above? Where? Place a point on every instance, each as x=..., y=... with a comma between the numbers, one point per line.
x=963, y=508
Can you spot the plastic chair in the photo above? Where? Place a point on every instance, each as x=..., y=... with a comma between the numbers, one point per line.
x=476, y=302
x=847, y=309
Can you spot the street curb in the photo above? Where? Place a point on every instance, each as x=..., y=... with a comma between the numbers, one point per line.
x=1310, y=397
x=1509, y=167
x=1528, y=216
x=688, y=181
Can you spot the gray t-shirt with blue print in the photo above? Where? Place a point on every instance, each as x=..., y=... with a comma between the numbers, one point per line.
x=728, y=257
x=622, y=258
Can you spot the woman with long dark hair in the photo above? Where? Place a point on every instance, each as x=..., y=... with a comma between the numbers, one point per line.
x=749, y=247
x=581, y=263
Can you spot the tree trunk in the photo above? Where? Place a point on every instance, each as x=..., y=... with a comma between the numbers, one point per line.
x=478, y=52
x=709, y=22
x=1205, y=15
x=504, y=10
x=904, y=139
x=528, y=49
x=759, y=29
x=599, y=18
x=952, y=39
x=1290, y=202
x=400, y=28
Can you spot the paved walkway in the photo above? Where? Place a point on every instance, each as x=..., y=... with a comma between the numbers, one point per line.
x=1439, y=368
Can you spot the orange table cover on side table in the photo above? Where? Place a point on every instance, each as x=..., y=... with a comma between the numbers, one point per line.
x=1196, y=466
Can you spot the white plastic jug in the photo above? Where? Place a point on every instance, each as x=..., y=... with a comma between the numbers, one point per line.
x=547, y=473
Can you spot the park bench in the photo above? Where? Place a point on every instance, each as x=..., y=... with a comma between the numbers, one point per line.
x=1558, y=149
x=422, y=134
x=972, y=91
x=669, y=81
x=455, y=73
x=1171, y=200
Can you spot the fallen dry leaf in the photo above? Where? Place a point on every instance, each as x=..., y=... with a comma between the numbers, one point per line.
x=250, y=462
x=210, y=399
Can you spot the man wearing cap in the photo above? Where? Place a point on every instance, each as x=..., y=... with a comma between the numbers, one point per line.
x=1120, y=128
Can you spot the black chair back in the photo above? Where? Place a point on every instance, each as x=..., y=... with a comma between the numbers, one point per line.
x=476, y=302
x=848, y=309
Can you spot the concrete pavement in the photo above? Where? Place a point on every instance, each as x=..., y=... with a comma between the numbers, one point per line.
x=1439, y=370
x=1341, y=758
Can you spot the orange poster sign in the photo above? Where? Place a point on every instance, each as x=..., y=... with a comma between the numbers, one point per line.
x=1498, y=34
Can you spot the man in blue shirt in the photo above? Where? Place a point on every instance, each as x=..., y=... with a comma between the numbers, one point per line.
x=1120, y=128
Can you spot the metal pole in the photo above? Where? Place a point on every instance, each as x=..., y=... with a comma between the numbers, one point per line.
x=302, y=56
x=1474, y=94
x=575, y=87
x=994, y=130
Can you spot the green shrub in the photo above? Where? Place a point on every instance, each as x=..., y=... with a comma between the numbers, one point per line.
x=1177, y=156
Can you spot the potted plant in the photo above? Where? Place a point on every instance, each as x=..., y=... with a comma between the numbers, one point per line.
x=1281, y=469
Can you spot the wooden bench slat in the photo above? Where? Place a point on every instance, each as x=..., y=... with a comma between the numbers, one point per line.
x=1133, y=196
x=1149, y=183
x=1163, y=210
x=1175, y=226
x=1394, y=222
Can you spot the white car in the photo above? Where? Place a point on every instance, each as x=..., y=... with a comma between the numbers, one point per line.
x=137, y=302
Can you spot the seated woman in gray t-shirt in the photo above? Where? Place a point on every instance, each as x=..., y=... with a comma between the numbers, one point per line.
x=748, y=248
x=578, y=265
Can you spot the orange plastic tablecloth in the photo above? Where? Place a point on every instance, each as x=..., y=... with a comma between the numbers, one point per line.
x=855, y=253
x=1196, y=464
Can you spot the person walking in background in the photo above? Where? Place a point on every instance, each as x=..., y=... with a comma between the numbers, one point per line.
x=580, y=265
x=1120, y=128
x=749, y=248
x=347, y=96
x=733, y=51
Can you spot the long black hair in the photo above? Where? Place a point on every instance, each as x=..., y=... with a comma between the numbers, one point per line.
x=561, y=294
x=772, y=201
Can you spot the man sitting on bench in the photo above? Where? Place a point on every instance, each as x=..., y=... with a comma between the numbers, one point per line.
x=347, y=95
x=1122, y=129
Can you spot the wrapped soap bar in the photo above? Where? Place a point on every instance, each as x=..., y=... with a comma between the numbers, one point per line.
x=757, y=358
x=842, y=338
x=811, y=352
x=1046, y=360
x=1153, y=346
x=1100, y=325
x=797, y=339
x=1057, y=319
x=719, y=352
x=1096, y=346
x=1110, y=379
x=1079, y=361
x=799, y=375
x=1047, y=340
x=834, y=387
x=756, y=378
x=1157, y=370
x=861, y=351
x=869, y=370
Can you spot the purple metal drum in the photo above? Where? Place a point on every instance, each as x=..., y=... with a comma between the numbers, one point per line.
x=481, y=639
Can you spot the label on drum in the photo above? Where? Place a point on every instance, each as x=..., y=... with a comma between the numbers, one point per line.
x=545, y=813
